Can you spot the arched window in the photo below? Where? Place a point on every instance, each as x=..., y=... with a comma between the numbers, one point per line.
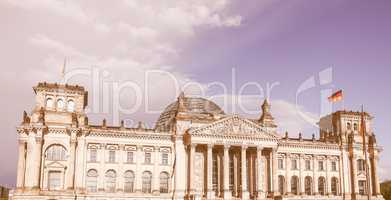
x=129, y=181
x=147, y=178
x=71, y=106
x=92, y=180
x=308, y=185
x=56, y=152
x=321, y=185
x=60, y=104
x=49, y=103
x=295, y=185
x=281, y=183
x=334, y=186
x=164, y=180
x=111, y=177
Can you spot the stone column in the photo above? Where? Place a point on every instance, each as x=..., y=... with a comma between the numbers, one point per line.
x=260, y=171
x=156, y=173
x=30, y=158
x=288, y=174
x=37, y=163
x=121, y=169
x=227, y=192
x=301, y=177
x=80, y=162
x=180, y=175
x=376, y=183
x=369, y=177
x=102, y=167
x=354, y=175
x=71, y=164
x=191, y=169
x=245, y=193
x=275, y=175
x=328, y=178
x=139, y=173
x=209, y=176
x=315, y=177
x=21, y=165
x=346, y=174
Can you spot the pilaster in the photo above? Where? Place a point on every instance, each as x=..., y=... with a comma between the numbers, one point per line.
x=21, y=164
x=156, y=174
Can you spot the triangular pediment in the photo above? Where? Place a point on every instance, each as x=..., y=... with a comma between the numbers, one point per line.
x=234, y=125
x=55, y=164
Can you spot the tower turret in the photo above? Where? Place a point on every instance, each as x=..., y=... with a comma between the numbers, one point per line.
x=59, y=104
x=266, y=118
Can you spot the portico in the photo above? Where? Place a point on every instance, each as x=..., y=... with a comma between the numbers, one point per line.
x=231, y=158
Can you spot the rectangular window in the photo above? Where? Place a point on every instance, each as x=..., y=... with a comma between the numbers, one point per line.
x=308, y=165
x=164, y=159
x=93, y=155
x=320, y=166
x=129, y=157
x=333, y=166
x=362, y=187
x=280, y=164
x=147, y=159
x=294, y=164
x=54, y=180
x=111, y=156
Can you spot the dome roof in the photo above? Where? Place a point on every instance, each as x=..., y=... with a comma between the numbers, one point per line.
x=192, y=105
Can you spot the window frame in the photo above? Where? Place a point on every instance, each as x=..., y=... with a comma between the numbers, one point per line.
x=147, y=158
x=58, y=186
x=112, y=156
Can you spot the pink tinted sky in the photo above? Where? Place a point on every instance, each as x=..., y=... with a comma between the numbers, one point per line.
x=265, y=41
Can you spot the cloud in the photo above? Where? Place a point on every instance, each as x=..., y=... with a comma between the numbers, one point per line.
x=69, y=9
x=288, y=118
x=47, y=43
x=120, y=41
x=286, y=113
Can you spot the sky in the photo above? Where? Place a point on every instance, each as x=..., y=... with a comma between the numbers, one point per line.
x=134, y=57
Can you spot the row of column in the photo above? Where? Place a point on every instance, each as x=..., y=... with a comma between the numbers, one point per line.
x=253, y=173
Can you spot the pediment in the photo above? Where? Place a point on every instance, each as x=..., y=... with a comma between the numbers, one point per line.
x=55, y=164
x=234, y=125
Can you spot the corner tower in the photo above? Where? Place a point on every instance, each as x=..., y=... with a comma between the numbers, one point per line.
x=59, y=104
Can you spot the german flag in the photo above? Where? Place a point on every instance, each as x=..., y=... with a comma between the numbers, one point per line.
x=337, y=96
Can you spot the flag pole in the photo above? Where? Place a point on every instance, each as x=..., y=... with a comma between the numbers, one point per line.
x=63, y=71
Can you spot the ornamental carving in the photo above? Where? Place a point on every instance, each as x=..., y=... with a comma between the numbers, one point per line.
x=234, y=126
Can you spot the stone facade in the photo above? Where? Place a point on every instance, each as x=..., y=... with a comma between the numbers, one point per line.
x=195, y=151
